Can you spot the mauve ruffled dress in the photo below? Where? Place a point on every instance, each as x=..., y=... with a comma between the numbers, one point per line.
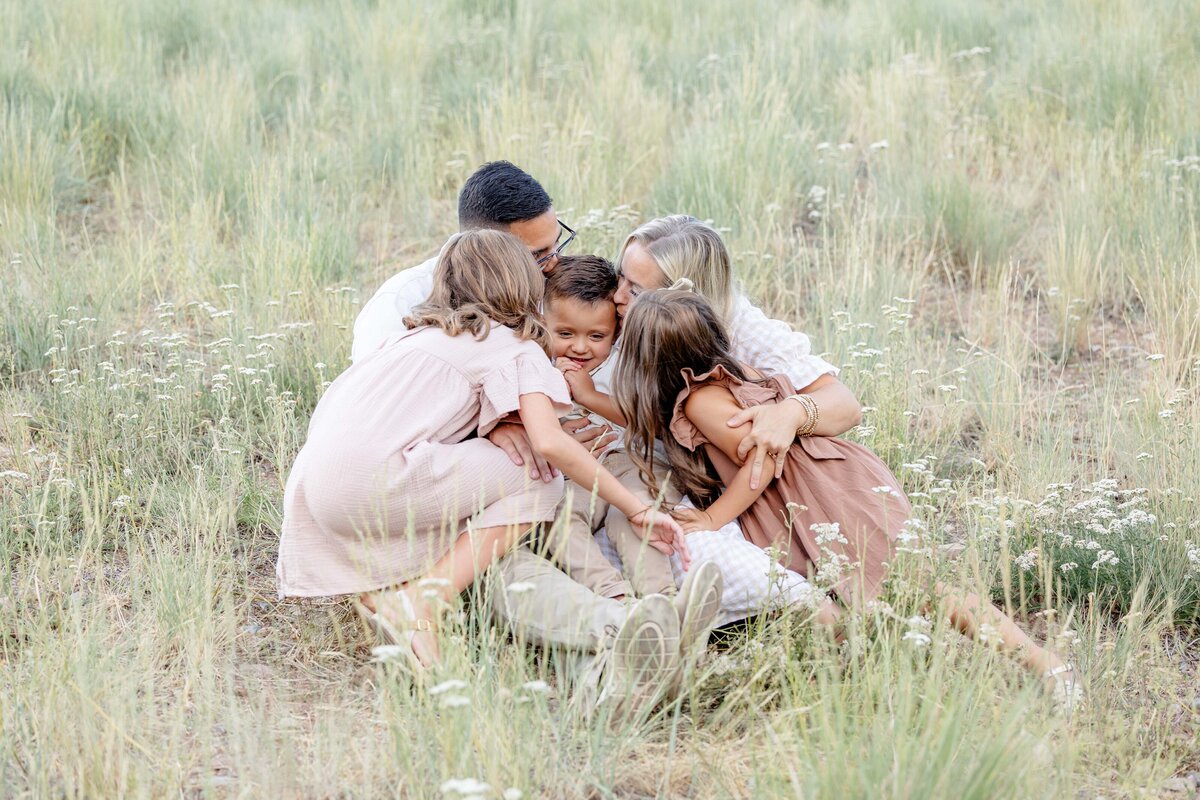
x=824, y=480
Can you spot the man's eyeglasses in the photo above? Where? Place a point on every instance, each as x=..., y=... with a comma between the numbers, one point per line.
x=560, y=244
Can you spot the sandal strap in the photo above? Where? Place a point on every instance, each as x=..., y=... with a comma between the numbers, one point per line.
x=411, y=621
x=1059, y=670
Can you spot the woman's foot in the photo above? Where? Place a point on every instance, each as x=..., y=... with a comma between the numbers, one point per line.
x=1063, y=683
x=404, y=619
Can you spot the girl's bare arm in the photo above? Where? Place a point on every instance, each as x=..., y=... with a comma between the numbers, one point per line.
x=708, y=408
x=548, y=439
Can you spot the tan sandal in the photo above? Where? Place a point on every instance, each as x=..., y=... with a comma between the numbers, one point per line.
x=397, y=647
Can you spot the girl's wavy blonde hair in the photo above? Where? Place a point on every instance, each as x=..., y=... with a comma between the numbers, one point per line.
x=688, y=251
x=665, y=332
x=484, y=276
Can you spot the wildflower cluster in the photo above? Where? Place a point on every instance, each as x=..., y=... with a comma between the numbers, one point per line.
x=1095, y=544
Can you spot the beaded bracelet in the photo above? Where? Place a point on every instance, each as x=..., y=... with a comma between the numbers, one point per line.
x=810, y=408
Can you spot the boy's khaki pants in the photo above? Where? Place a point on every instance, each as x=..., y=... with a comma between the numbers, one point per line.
x=573, y=544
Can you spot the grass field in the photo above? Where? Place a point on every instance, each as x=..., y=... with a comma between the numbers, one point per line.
x=989, y=213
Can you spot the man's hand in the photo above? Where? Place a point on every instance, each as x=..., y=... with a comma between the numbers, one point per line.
x=514, y=441
x=693, y=520
x=593, y=437
x=662, y=533
x=772, y=432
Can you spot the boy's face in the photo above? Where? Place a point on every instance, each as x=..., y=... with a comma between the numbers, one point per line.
x=582, y=332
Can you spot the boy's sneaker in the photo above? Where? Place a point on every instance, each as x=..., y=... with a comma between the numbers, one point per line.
x=697, y=606
x=643, y=661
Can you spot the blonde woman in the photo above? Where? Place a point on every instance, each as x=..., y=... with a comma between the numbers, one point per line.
x=389, y=494
x=682, y=249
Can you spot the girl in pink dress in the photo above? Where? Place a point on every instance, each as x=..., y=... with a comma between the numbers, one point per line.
x=836, y=502
x=392, y=498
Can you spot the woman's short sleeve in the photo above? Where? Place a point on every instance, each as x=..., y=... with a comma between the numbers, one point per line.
x=529, y=372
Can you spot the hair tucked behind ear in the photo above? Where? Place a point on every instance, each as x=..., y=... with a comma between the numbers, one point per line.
x=691, y=254
x=665, y=332
x=484, y=276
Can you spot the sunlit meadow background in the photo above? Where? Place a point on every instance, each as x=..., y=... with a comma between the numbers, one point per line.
x=987, y=212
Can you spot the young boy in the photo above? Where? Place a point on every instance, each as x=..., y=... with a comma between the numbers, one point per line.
x=582, y=319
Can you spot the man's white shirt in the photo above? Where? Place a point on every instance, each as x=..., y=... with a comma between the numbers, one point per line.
x=384, y=313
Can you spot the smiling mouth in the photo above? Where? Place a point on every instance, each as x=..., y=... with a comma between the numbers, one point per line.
x=579, y=361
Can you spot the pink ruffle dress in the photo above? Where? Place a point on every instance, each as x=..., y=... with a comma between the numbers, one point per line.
x=388, y=478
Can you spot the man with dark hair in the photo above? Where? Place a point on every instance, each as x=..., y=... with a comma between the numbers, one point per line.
x=498, y=195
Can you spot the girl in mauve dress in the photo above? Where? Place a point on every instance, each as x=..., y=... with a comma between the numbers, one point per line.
x=836, y=504
x=392, y=498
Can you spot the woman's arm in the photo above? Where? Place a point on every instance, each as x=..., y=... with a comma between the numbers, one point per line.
x=548, y=439
x=774, y=427
x=708, y=408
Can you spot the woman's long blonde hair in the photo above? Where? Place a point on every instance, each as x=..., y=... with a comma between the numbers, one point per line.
x=484, y=276
x=665, y=332
x=684, y=248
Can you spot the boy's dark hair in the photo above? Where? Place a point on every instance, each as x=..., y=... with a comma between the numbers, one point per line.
x=590, y=279
x=498, y=194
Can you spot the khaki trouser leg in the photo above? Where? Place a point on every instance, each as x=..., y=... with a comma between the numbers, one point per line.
x=646, y=568
x=573, y=546
x=545, y=607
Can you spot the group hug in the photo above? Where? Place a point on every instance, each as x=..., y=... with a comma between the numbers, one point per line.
x=626, y=454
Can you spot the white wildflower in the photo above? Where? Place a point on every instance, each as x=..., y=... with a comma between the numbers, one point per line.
x=464, y=786
x=828, y=532
x=455, y=701
x=520, y=587
x=1028, y=560
x=452, y=685
x=989, y=635
x=537, y=687
x=384, y=653
x=12, y=473
x=917, y=638
x=122, y=501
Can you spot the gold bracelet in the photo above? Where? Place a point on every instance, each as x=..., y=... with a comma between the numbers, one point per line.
x=814, y=416
x=810, y=409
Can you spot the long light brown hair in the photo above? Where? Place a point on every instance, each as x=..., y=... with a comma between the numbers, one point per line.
x=484, y=276
x=684, y=248
x=665, y=332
